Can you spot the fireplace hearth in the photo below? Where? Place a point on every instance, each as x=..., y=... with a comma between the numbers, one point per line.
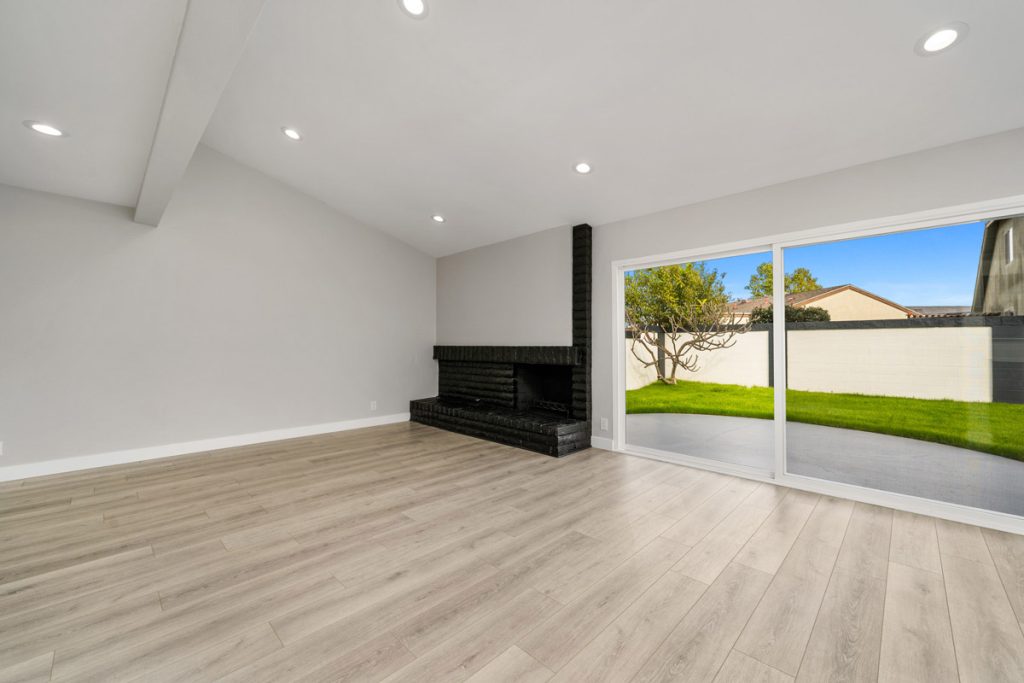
x=533, y=397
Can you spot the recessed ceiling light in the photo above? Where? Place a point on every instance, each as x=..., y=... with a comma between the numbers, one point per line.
x=291, y=133
x=44, y=128
x=941, y=39
x=583, y=168
x=438, y=218
x=414, y=8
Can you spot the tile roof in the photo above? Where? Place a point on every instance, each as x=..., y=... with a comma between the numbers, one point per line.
x=797, y=299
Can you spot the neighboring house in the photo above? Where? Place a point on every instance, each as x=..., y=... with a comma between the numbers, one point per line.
x=940, y=311
x=843, y=302
x=1000, y=284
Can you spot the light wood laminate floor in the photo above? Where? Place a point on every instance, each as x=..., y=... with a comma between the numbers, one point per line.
x=404, y=553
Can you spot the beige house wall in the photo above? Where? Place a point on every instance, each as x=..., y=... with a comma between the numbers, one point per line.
x=848, y=304
x=852, y=305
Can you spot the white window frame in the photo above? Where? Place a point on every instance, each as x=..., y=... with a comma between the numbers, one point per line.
x=963, y=213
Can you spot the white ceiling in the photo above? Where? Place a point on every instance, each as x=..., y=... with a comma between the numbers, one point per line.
x=480, y=111
x=96, y=69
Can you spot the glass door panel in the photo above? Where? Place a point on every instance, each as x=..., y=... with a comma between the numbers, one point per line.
x=905, y=363
x=699, y=360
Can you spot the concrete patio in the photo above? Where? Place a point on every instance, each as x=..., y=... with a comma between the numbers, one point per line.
x=878, y=461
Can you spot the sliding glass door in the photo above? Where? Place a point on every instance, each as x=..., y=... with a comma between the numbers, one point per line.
x=901, y=362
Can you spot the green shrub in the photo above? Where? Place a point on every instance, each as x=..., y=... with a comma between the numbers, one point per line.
x=810, y=314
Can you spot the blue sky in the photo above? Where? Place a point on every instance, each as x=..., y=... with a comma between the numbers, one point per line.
x=934, y=267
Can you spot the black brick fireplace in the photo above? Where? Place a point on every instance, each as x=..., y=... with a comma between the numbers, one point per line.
x=533, y=397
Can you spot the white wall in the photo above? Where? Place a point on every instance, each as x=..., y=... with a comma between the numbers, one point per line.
x=953, y=363
x=941, y=362
x=252, y=307
x=512, y=293
x=745, y=363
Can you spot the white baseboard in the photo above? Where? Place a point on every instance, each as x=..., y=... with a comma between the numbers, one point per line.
x=85, y=462
x=601, y=442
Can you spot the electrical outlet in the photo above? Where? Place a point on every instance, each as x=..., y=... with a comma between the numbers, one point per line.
x=604, y=424
x=373, y=405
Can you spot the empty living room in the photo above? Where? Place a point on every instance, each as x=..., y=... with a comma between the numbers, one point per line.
x=494, y=342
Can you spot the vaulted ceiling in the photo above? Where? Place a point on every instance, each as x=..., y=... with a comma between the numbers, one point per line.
x=96, y=69
x=480, y=111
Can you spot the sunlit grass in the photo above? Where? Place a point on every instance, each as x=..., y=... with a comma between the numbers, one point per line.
x=988, y=427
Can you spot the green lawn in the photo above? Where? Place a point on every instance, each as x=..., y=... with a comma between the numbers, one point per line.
x=989, y=427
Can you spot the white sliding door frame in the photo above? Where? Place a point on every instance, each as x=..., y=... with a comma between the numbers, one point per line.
x=779, y=358
x=953, y=215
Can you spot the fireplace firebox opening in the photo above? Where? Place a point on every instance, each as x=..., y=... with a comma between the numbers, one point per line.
x=544, y=388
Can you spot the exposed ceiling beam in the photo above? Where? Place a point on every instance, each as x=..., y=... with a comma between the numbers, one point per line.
x=212, y=38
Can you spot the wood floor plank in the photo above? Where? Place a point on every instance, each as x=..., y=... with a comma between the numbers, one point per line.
x=621, y=649
x=410, y=587
x=557, y=640
x=986, y=633
x=34, y=670
x=699, y=645
x=639, y=531
x=630, y=509
x=27, y=642
x=1007, y=552
x=371, y=661
x=778, y=631
x=917, y=643
x=235, y=569
x=713, y=553
x=740, y=667
x=349, y=645
x=693, y=527
x=152, y=643
x=698, y=491
x=472, y=648
x=44, y=589
x=428, y=629
x=768, y=547
x=512, y=666
x=566, y=581
x=829, y=521
x=845, y=642
x=915, y=542
x=218, y=659
x=767, y=496
x=962, y=540
x=865, y=549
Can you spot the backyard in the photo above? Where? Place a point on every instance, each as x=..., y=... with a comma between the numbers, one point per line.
x=996, y=428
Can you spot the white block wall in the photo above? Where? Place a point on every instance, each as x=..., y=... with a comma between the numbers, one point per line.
x=744, y=363
x=936, y=363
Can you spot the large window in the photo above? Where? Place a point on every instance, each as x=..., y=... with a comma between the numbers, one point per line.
x=902, y=362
